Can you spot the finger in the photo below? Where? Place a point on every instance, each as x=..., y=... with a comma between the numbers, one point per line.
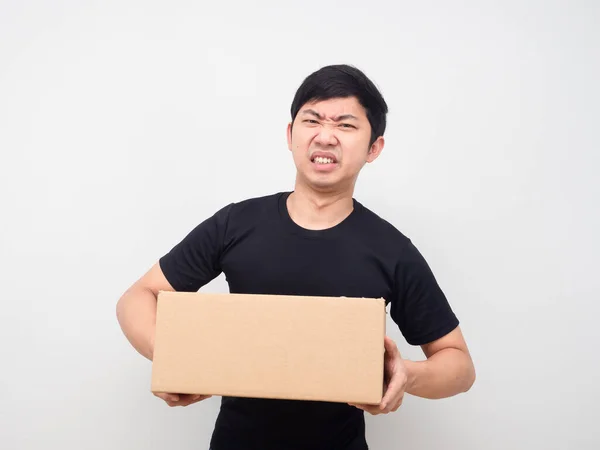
x=390, y=346
x=167, y=397
x=371, y=409
x=186, y=400
x=359, y=406
x=390, y=394
x=198, y=398
x=177, y=403
x=395, y=405
x=398, y=404
x=395, y=388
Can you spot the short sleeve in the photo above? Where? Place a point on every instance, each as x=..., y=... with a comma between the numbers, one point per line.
x=195, y=260
x=419, y=307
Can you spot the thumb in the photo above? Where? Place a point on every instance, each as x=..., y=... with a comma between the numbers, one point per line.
x=391, y=347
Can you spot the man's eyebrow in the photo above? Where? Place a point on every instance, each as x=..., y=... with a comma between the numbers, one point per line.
x=312, y=112
x=335, y=119
x=345, y=117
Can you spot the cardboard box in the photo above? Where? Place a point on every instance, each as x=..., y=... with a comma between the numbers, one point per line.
x=270, y=346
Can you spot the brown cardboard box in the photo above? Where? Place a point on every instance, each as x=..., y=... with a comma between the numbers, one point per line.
x=270, y=346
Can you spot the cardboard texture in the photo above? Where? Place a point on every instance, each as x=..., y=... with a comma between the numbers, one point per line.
x=270, y=346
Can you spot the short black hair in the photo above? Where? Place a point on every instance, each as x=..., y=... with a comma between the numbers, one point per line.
x=340, y=81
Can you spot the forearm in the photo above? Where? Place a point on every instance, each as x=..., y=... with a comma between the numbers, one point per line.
x=136, y=313
x=446, y=373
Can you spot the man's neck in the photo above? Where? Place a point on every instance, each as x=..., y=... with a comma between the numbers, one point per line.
x=315, y=210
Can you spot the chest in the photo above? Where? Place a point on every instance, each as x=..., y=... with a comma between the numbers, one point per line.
x=273, y=263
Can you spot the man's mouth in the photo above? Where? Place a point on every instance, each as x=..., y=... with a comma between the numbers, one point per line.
x=323, y=160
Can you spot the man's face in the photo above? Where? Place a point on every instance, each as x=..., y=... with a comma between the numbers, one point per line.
x=329, y=141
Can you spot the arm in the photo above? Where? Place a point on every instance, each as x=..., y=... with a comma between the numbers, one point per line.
x=447, y=371
x=191, y=264
x=425, y=318
x=136, y=313
x=136, y=310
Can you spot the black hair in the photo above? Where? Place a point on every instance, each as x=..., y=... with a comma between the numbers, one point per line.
x=341, y=80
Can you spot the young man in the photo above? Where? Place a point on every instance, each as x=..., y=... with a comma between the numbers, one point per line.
x=316, y=240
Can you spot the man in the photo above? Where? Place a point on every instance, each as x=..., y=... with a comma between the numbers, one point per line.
x=316, y=240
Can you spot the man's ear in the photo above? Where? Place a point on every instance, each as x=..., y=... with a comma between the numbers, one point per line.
x=289, y=136
x=375, y=149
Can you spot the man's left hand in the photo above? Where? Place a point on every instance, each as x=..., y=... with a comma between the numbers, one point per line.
x=396, y=377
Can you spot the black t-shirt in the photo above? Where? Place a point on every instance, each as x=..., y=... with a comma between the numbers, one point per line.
x=261, y=250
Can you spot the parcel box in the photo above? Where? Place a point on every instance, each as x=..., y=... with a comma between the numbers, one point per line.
x=270, y=346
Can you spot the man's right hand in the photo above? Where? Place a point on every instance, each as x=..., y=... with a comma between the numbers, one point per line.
x=181, y=399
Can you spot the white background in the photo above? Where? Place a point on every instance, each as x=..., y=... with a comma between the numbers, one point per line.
x=125, y=123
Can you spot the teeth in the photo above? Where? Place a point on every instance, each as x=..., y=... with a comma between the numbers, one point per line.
x=321, y=160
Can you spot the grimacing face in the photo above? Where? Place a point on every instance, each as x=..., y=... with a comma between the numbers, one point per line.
x=329, y=141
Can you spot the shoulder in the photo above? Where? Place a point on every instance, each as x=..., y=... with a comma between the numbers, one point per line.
x=380, y=228
x=253, y=207
x=388, y=239
x=241, y=215
x=253, y=204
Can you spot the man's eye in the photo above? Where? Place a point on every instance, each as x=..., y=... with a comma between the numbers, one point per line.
x=346, y=125
x=310, y=121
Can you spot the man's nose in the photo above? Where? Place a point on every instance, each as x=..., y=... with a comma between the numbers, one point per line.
x=326, y=137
